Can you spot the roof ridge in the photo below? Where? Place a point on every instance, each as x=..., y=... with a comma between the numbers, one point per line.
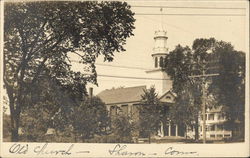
x=115, y=88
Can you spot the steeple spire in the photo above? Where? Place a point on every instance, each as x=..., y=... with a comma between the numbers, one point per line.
x=160, y=39
x=162, y=28
x=160, y=49
x=159, y=53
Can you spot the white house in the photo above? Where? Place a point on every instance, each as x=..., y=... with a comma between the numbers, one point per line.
x=215, y=125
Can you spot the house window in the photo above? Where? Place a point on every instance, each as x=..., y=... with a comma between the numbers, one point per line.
x=212, y=135
x=156, y=62
x=219, y=135
x=220, y=117
x=219, y=127
x=227, y=135
x=211, y=117
x=205, y=116
x=206, y=128
x=212, y=128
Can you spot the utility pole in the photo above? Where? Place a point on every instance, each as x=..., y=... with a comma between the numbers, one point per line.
x=203, y=107
x=203, y=77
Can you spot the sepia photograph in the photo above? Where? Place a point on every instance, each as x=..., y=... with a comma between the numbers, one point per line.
x=124, y=72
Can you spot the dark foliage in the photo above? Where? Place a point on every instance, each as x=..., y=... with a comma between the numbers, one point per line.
x=41, y=37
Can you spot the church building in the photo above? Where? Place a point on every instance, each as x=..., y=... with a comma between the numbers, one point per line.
x=126, y=100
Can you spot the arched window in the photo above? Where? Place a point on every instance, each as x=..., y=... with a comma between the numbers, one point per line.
x=161, y=61
x=165, y=60
x=156, y=62
x=168, y=97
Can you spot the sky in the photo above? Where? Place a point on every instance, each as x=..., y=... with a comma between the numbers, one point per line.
x=181, y=30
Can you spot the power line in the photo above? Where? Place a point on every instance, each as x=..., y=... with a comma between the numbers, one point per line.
x=121, y=81
x=191, y=14
x=180, y=7
x=126, y=77
x=129, y=77
x=168, y=24
x=126, y=67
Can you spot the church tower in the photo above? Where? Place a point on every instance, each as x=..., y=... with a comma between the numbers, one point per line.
x=160, y=49
x=162, y=81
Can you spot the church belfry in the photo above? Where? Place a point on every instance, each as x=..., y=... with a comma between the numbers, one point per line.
x=160, y=49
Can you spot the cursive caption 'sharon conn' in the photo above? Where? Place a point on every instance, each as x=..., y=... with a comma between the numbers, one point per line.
x=121, y=150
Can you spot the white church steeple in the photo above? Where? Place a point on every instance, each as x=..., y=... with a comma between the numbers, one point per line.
x=159, y=53
x=160, y=49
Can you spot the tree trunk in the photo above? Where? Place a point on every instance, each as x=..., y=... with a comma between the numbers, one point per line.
x=186, y=131
x=14, y=114
x=14, y=127
x=14, y=135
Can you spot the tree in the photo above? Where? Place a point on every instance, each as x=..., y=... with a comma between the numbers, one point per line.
x=150, y=112
x=88, y=119
x=6, y=127
x=229, y=86
x=40, y=38
x=187, y=103
x=226, y=89
x=122, y=129
x=41, y=107
x=34, y=123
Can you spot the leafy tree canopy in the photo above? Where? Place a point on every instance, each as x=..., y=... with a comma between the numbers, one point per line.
x=207, y=56
x=40, y=37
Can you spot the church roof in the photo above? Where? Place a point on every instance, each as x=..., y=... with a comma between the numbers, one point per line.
x=122, y=95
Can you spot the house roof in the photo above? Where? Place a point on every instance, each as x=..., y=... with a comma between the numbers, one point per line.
x=122, y=95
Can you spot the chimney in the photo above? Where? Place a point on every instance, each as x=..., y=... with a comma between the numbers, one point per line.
x=90, y=92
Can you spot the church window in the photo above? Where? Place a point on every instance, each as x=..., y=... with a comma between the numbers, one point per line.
x=124, y=109
x=156, y=62
x=161, y=61
x=168, y=97
x=113, y=110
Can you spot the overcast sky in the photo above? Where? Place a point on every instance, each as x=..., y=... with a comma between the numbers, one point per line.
x=180, y=29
